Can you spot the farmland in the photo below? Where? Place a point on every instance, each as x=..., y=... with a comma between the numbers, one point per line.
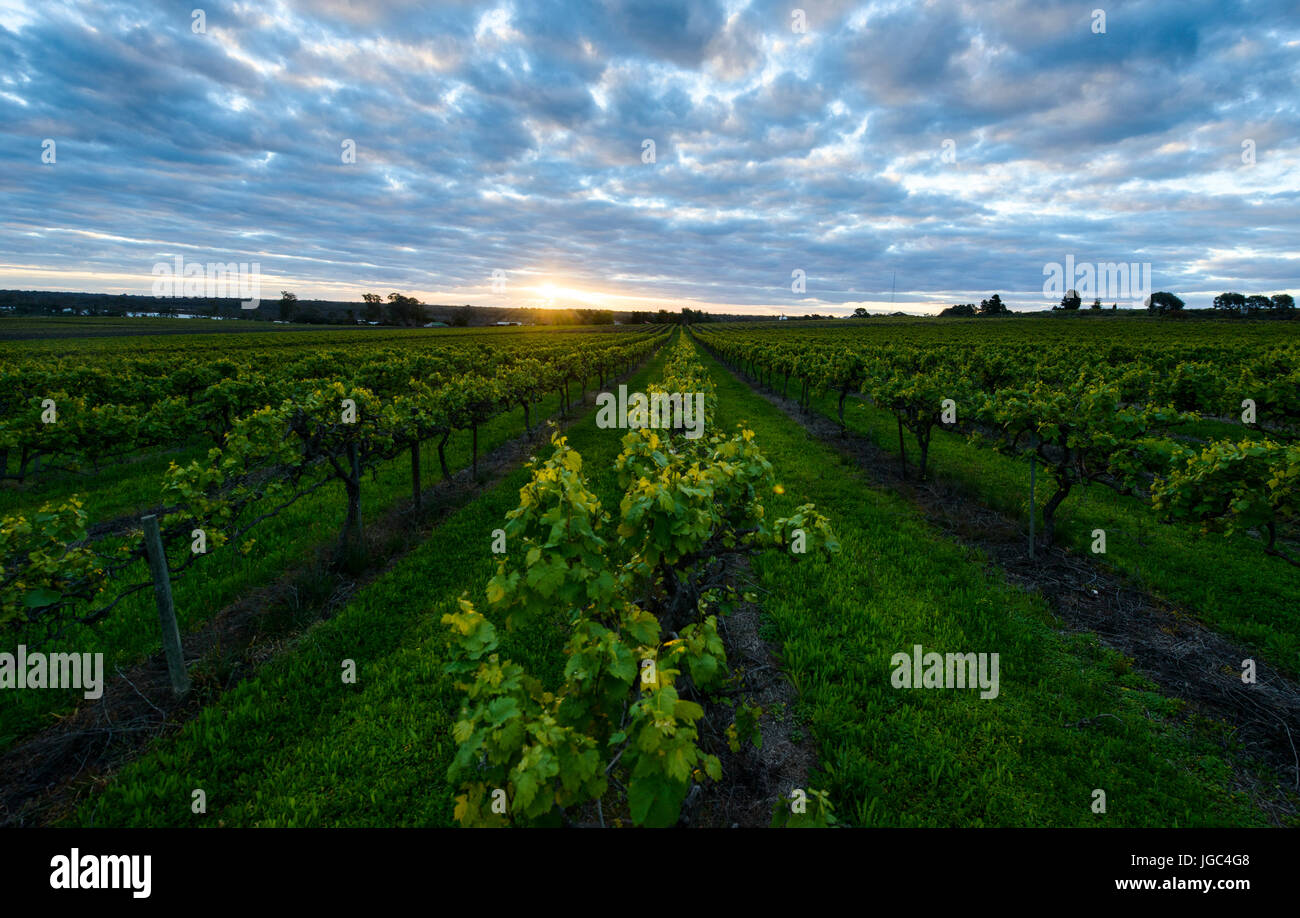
x=419, y=580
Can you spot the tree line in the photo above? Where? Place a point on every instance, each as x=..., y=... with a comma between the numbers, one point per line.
x=1162, y=302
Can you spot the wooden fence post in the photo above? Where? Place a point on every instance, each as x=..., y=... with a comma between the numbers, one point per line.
x=162, y=591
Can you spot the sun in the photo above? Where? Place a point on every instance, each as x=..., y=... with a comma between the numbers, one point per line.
x=553, y=293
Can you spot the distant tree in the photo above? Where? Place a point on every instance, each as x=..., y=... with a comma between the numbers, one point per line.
x=959, y=310
x=1071, y=300
x=374, y=310
x=1230, y=302
x=288, y=306
x=993, y=306
x=595, y=316
x=1283, y=302
x=1096, y=304
x=1164, y=303
x=405, y=310
x=460, y=318
x=396, y=309
x=1257, y=303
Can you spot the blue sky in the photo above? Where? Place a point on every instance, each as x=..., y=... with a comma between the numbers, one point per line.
x=959, y=147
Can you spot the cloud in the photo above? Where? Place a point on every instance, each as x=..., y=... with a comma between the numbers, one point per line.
x=510, y=137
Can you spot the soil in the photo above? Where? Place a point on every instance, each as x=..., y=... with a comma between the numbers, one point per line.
x=755, y=778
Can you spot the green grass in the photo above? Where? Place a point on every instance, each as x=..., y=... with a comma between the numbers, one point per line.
x=284, y=542
x=897, y=757
x=1228, y=582
x=295, y=746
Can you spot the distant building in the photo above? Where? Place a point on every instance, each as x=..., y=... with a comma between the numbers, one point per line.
x=509, y=323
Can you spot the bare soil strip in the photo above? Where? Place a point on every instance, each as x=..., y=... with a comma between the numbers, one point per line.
x=1181, y=655
x=755, y=778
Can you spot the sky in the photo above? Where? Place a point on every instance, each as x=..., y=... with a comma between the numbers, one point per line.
x=807, y=156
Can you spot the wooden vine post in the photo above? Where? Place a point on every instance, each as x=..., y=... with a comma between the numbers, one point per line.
x=162, y=591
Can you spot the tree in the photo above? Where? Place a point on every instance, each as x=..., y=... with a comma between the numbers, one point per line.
x=993, y=306
x=959, y=310
x=462, y=316
x=374, y=311
x=1230, y=302
x=1283, y=302
x=1256, y=303
x=1163, y=303
x=860, y=313
x=1071, y=300
x=596, y=316
x=1096, y=304
x=405, y=310
x=288, y=306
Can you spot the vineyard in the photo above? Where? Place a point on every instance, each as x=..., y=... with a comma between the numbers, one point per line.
x=222, y=442
x=391, y=577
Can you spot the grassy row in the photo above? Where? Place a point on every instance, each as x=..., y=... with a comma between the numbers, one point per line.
x=900, y=757
x=1227, y=581
x=295, y=746
x=283, y=542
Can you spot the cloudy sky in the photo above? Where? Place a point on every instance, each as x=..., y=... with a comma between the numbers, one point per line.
x=946, y=149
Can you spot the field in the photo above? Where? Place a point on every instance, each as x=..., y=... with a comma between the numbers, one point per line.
x=1012, y=572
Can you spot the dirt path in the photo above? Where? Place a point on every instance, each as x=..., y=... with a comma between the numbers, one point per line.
x=1182, y=656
